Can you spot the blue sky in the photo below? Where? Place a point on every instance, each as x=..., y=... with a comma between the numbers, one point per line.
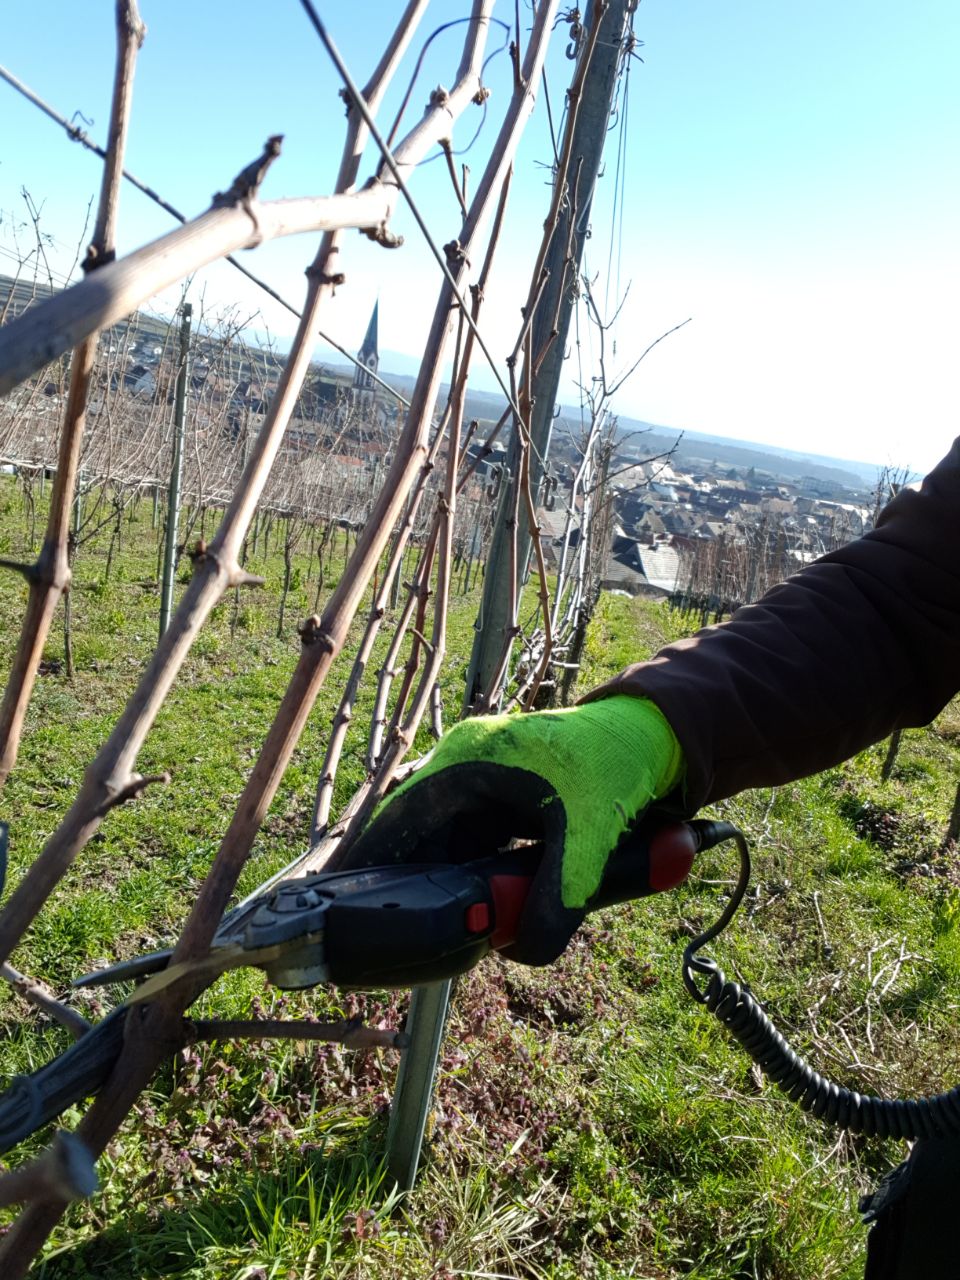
x=791, y=184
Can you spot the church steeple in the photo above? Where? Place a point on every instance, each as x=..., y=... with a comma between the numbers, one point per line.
x=368, y=354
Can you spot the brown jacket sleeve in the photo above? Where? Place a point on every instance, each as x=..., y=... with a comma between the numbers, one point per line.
x=862, y=641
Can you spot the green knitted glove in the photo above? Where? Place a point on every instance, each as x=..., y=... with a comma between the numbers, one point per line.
x=577, y=779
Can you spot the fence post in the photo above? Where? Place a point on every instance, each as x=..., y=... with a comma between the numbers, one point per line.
x=429, y=1006
x=176, y=471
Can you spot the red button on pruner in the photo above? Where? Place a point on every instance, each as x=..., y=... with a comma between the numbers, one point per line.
x=477, y=918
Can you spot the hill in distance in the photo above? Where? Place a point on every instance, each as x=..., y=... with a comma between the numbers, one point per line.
x=789, y=463
x=696, y=447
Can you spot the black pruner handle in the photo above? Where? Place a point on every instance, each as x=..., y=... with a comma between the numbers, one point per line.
x=658, y=858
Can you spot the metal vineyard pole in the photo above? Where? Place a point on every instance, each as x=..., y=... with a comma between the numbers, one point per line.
x=413, y=1094
x=176, y=471
x=429, y=1006
x=549, y=336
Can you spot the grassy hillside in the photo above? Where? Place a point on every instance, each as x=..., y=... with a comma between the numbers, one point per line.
x=592, y=1121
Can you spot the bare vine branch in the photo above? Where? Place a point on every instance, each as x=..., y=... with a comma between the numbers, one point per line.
x=50, y=576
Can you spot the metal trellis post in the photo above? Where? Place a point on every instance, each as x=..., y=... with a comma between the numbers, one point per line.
x=176, y=471
x=549, y=333
x=413, y=1098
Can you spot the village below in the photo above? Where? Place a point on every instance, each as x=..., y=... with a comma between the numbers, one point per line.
x=689, y=518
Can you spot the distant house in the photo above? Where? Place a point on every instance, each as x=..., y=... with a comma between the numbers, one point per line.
x=642, y=565
x=618, y=576
x=552, y=526
x=301, y=439
x=141, y=380
x=651, y=523
x=486, y=462
x=660, y=565
x=678, y=520
x=711, y=529
x=641, y=570
x=777, y=507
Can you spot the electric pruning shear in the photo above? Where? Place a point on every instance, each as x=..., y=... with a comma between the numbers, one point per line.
x=386, y=926
x=402, y=925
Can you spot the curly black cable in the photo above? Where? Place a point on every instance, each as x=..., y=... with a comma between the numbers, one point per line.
x=740, y=1013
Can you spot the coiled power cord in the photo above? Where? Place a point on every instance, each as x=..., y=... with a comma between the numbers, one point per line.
x=740, y=1013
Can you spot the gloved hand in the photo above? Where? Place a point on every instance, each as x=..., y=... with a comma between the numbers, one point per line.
x=575, y=779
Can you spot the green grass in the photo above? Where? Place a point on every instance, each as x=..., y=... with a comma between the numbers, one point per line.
x=591, y=1119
